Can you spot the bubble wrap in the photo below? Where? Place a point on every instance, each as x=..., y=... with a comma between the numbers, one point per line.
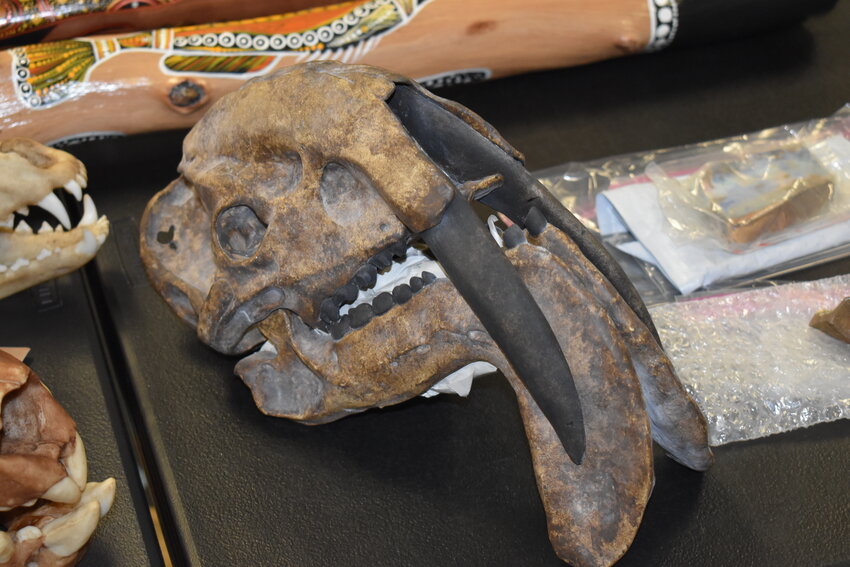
x=752, y=362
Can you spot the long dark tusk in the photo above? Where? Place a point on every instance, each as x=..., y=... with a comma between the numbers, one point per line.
x=497, y=294
x=465, y=154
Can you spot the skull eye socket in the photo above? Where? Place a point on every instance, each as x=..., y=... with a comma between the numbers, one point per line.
x=240, y=231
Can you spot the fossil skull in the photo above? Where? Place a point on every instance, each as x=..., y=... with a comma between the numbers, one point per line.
x=48, y=510
x=323, y=213
x=32, y=252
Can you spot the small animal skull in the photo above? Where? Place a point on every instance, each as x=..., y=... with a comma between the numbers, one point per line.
x=48, y=510
x=323, y=213
x=32, y=253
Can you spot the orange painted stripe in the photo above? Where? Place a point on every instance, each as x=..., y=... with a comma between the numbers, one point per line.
x=284, y=23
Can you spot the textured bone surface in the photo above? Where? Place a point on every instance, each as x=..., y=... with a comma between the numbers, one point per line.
x=295, y=226
x=49, y=510
x=32, y=249
x=835, y=322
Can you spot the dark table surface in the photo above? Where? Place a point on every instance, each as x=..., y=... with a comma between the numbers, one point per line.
x=444, y=481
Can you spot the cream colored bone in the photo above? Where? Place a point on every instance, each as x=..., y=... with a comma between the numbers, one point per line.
x=52, y=529
x=29, y=255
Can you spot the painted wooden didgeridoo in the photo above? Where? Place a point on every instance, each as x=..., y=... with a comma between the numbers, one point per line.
x=34, y=21
x=165, y=78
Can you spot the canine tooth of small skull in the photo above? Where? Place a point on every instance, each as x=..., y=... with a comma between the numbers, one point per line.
x=9, y=222
x=19, y=263
x=44, y=254
x=75, y=188
x=6, y=547
x=28, y=533
x=45, y=227
x=101, y=492
x=65, y=491
x=77, y=465
x=89, y=211
x=67, y=534
x=54, y=206
x=23, y=228
x=29, y=503
x=82, y=180
x=88, y=245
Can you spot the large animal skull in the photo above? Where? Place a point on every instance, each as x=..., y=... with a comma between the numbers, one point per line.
x=48, y=510
x=302, y=189
x=31, y=253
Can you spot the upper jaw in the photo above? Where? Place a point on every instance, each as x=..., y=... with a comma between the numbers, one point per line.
x=39, y=242
x=386, y=280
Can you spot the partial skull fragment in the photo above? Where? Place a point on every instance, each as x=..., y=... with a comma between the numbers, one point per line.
x=37, y=240
x=835, y=322
x=48, y=509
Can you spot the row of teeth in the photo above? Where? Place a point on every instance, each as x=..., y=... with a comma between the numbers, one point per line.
x=53, y=205
x=373, y=291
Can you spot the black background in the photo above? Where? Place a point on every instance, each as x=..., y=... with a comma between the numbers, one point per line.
x=446, y=481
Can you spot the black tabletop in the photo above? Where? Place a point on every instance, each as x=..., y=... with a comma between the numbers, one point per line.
x=442, y=481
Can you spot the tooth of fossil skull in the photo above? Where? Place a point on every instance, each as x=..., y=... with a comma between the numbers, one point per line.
x=18, y=264
x=23, y=228
x=6, y=547
x=45, y=227
x=101, y=492
x=402, y=293
x=75, y=188
x=3, y=268
x=24, y=211
x=77, y=465
x=66, y=535
x=88, y=245
x=9, y=222
x=89, y=211
x=54, y=206
x=65, y=491
x=28, y=533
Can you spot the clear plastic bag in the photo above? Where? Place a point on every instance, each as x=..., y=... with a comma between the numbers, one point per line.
x=752, y=361
x=759, y=193
x=813, y=148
